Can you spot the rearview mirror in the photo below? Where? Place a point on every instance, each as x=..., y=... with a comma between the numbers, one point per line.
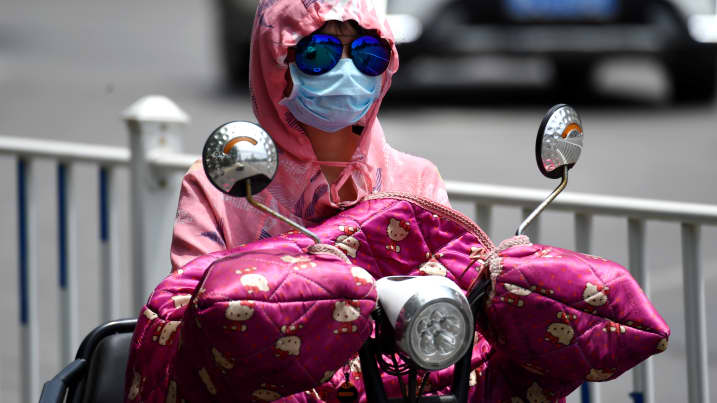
x=557, y=149
x=560, y=140
x=240, y=152
x=240, y=159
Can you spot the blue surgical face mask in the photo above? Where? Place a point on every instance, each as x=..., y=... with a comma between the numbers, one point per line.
x=333, y=100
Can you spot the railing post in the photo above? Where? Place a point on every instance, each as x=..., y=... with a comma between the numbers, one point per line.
x=155, y=124
x=484, y=218
x=29, y=336
x=589, y=391
x=67, y=259
x=583, y=232
x=109, y=241
x=696, y=334
x=642, y=375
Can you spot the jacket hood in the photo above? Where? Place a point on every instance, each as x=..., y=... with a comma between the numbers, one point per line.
x=279, y=25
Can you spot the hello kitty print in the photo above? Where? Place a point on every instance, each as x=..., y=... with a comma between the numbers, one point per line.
x=397, y=231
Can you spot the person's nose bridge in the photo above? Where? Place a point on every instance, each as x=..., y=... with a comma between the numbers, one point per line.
x=345, y=50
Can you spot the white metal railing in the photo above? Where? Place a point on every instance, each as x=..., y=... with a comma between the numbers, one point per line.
x=637, y=212
x=156, y=165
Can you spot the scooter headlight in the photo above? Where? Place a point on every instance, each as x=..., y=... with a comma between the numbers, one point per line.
x=437, y=334
x=431, y=318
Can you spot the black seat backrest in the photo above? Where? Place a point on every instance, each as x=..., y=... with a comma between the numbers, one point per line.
x=98, y=371
x=105, y=378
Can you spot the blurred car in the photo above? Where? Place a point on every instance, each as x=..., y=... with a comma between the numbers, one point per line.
x=574, y=34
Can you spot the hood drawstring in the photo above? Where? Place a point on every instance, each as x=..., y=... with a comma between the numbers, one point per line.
x=349, y=168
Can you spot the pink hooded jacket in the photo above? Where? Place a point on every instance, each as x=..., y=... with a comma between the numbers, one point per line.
x=208, y=221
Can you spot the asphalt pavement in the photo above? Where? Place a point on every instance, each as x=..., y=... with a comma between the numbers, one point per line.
x=68, y=70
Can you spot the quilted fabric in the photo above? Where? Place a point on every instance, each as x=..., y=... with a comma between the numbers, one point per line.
x=565, y=317
x=280, y=319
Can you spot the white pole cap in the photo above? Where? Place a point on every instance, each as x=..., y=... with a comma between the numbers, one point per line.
x=155, y=108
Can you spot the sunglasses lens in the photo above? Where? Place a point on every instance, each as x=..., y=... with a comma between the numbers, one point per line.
x=370, y=55
x=318, y=53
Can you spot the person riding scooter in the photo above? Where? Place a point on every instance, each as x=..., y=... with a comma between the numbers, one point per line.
x=279, y=318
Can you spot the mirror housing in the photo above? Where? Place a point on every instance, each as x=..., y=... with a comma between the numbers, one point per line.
x=559, y=141
x=240, y=159
x=239, y=152
x=557, y=149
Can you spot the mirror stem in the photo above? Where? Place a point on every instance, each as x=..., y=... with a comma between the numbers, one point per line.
x=545, y=202
x=273, y=213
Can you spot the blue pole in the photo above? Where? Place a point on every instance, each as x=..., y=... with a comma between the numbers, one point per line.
x=110, y=305
x=22, y=238
x=104, y=216
x=637, y=397
x=585, y=393
x=62, y=223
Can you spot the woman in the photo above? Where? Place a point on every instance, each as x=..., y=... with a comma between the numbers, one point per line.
x=332, y=151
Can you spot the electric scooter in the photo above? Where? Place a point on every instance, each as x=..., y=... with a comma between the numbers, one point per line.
x=422, y=324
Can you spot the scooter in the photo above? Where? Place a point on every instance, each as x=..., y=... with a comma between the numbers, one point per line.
x=422, y=324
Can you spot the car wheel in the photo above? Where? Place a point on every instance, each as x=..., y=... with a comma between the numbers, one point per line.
x=236, y=63
x=694, y=78
x=234, y=22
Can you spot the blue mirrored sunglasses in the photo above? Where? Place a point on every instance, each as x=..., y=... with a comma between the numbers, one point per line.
x=318, y=53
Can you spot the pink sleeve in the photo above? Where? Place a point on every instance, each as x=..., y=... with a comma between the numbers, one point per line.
x=433, y=186
x=411, y=174
x=197, y=230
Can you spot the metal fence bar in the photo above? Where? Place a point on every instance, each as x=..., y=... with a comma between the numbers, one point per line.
x=583, y=232
x=696, y=334
x=583, y=223
x=29, y=338
x=63, y=151
x=484, y=194
x=109, y=239
x=484, y=217
x=642, y=375
x=171, y=162
x=67, y=259
x=594, y=204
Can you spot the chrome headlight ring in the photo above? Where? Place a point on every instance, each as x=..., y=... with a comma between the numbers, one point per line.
x=435, y=326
